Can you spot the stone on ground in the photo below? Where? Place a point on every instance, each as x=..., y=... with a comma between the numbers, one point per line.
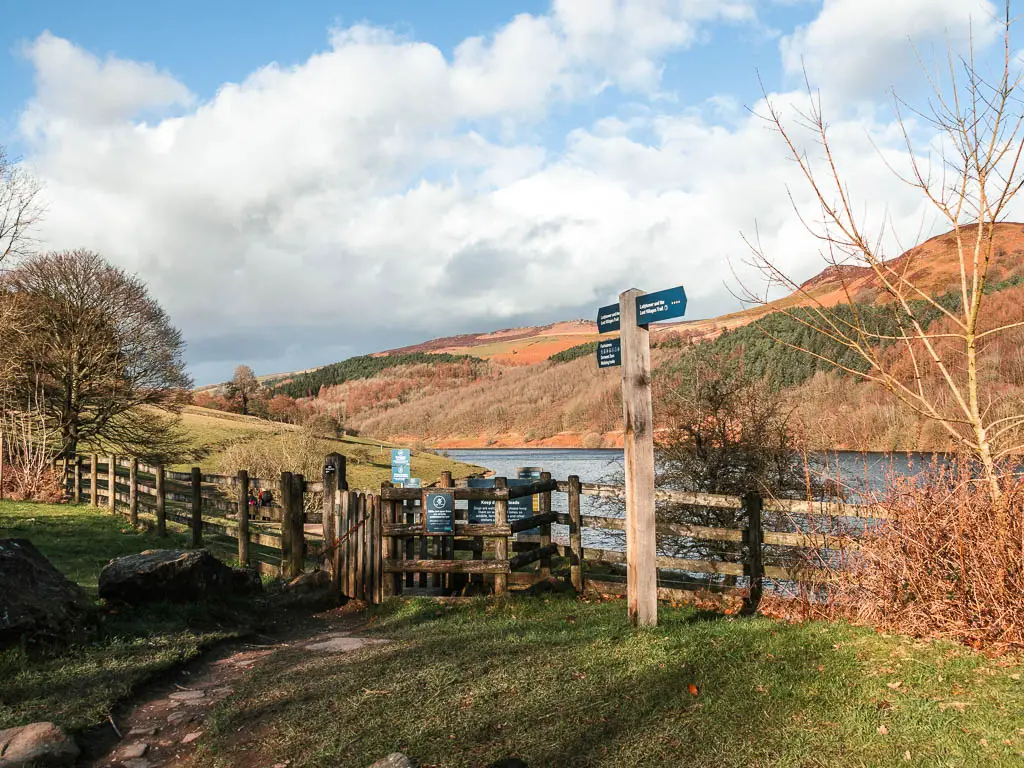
x=37, y=744
x=37, y=602
x=394, y=760
x=172, y=574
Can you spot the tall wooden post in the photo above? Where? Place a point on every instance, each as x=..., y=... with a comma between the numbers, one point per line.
x=545, y=530
x=292, y=532
x=330, y=514
x=638, y=419
x=111, y=482
x=285, y=495
x=94, y=474
x=197, y=507
x=575, y=535
x=133, y=491
x=161, y=502
x=2, y=466
x=501, y=545
x=243, y=518
x=78, y=480
x=754, y=538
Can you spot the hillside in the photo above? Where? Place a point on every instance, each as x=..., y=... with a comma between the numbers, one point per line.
x=540, y=386
x=217, y=436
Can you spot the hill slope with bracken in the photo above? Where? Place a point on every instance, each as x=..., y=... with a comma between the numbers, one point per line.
x=502, y=389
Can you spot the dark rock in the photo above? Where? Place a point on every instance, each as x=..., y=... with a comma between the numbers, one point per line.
x=37, y=744
x=394, y=760
x=37, y=602
x=310, y=590
x=172, y=574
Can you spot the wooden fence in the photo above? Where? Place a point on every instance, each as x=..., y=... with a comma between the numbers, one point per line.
x=274, y=539
x=376, y=544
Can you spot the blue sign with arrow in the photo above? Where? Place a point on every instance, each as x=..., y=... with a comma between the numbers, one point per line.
x=661, y=305
x=608, y=318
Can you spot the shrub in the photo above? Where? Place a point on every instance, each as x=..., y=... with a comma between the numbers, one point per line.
x=947, y=563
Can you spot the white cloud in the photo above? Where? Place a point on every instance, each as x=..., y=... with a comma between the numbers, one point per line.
x=353, y=203
x=859, y=48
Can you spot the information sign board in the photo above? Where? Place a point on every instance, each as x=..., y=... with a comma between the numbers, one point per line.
x=609, y=353
x=401, y=465
x=660, y=305
x=481, y=512
x=439, y=511
x=608, y=319
x=413, y=482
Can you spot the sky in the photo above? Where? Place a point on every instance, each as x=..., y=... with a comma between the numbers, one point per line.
x=298, y=183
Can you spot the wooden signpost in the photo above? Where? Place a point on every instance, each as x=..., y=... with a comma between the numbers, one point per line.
x=635, y=310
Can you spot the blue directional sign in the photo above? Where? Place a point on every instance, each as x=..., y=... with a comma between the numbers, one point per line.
x=608, y=318
x=401, y=465
x=609, y=353
x=661, y=305
x=439, y=511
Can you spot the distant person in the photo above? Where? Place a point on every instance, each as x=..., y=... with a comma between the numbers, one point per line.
x=266, y=498
x=252, y=502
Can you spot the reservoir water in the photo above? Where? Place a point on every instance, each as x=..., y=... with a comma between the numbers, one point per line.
x=856, y=471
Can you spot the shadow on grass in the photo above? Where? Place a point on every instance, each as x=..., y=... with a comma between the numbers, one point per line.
x=556, y=682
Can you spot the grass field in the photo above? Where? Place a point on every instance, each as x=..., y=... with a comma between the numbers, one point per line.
x=561, y=682
x=369, y=461
x=78, y=686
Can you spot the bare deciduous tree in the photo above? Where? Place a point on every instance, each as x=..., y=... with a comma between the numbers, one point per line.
x=20, y=209
x=101, y=353
x=930, y=366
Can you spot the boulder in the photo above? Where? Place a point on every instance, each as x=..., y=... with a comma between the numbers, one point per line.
x=37, y=744
x=37, y=602
x=313, y=591
x=175, y=575
x=394, y=760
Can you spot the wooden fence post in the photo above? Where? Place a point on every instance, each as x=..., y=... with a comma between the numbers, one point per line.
x=111, y=482
x=575, y=535
x=94, y=474
x=161, y=503
x=330, y=514
x=285, y=494
x=446, y=543
x=133, y=491
x=545, y=530
x=243, y=518
x=2, y=466
x=389, y=584
x=501, y=545
x=753, y=536
x=78, y=480
x=638, y=419
x=197, y=507
x=298, y=552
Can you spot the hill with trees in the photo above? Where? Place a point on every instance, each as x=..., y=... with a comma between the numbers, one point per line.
x=480, y=394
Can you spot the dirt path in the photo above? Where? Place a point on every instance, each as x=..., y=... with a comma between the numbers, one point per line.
x=166, y=722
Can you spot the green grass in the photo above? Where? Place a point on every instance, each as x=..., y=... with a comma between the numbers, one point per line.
x=561, y=682
x=78, y=686
x=369, y=460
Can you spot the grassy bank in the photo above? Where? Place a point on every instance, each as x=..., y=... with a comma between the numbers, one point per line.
x=561, y=682
x=212, y=433
x=79, y=685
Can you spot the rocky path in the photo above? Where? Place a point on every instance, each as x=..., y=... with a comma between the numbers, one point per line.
x=167, y=722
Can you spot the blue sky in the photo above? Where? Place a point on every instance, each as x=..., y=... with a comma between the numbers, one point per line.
x=299, y=182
